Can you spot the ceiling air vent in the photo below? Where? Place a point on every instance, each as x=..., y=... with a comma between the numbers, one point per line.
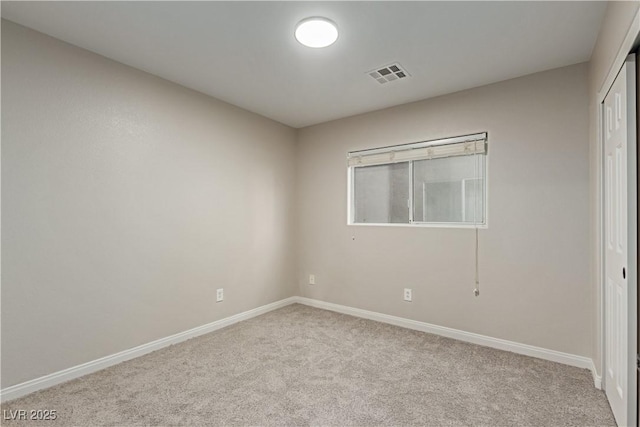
x=389, y=73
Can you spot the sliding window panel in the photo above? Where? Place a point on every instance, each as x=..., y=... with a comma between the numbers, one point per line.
x=449, y=190
x=381, y=194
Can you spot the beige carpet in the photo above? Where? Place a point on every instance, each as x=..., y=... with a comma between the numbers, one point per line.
x=304, y=366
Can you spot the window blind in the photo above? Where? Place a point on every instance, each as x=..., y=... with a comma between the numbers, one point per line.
x=457, y=146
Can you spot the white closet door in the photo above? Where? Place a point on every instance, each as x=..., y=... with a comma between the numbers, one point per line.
x=620, y=275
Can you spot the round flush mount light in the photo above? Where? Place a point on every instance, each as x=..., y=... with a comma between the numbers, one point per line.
x=316, y=32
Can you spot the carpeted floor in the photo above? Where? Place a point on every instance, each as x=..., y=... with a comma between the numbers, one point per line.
x=304, y=366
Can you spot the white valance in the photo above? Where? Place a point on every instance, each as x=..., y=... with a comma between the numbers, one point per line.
x=458, y=146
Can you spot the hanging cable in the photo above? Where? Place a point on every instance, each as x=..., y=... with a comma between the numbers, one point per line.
x=476, y=290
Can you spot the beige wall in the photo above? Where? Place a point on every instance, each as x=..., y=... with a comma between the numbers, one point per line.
x=127, y=200
x=615, y=26
x=534, y=260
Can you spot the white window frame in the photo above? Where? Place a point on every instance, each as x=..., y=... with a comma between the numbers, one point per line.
x=412, y=223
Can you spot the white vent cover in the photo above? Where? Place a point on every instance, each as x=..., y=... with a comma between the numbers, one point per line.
x=389, y=73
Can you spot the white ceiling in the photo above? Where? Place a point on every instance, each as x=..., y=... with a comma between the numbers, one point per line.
x=244, y=52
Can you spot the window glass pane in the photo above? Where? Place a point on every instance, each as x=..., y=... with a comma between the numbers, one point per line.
x=449, y=189
x=381, y=193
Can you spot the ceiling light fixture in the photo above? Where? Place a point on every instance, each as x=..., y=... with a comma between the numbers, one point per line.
x=316, y=32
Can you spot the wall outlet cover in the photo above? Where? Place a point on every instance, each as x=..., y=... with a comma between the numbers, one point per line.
x=408, y=294
x=219, y=295
x=312, y=279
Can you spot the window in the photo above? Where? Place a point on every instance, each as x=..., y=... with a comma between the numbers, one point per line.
x=439, y=182
x=381, y=193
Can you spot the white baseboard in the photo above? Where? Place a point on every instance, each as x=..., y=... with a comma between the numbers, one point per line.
x=65, y=375
x=597, y=379
x=514, y=347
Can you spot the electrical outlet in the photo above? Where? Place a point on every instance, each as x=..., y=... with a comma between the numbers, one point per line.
x=219, y=295
x=312, y=279
x=407, y=294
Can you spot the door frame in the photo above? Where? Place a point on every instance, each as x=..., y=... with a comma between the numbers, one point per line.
x=631, y=40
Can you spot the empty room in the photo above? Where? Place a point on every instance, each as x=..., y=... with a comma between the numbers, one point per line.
x=319, y=213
